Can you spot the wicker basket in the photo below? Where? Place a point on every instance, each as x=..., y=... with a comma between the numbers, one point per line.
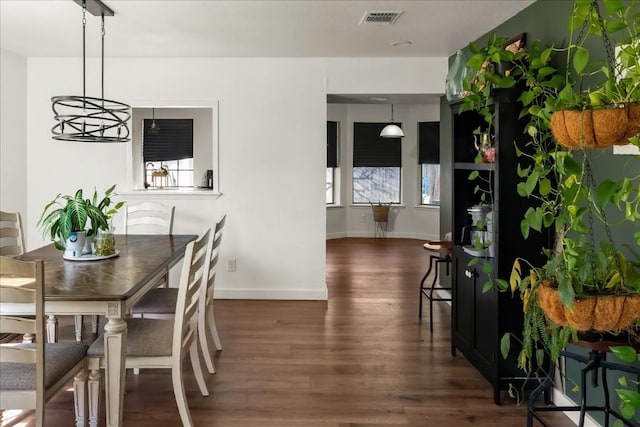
x=596, y=128
x=597, y=313
x=380, y=213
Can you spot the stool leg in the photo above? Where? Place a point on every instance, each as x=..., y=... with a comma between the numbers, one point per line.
x=433, y=284
x=422, y=284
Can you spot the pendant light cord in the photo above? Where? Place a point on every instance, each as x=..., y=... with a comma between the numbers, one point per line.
x=84, y=54
x=102, y=59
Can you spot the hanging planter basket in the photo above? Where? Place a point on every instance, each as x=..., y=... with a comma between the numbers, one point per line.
x=597, y=313
x=380, y=213
x=596, y=128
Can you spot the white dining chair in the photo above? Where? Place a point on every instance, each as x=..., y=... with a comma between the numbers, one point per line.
x=30, y=374
x=161, y=302
x=148, y=218
x=163, y=343
x=11, y=235
x=141, y=218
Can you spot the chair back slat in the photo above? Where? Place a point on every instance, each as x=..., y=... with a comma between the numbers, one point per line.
x=213, y=261
x=149, y=218
x=11, y=234
x=13, y=354
x=17, y=325
x=191, y=282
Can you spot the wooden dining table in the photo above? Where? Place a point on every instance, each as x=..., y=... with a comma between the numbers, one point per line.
x=108, y=287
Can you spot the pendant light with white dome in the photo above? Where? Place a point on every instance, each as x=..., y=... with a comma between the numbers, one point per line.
x=392, y=130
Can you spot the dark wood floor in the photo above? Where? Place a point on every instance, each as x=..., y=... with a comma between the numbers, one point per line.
x=361, y=359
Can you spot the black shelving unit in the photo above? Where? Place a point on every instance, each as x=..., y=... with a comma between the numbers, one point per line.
x=480, y=319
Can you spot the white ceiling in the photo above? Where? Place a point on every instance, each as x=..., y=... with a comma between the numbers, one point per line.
x=263, y=28
x=259, y=28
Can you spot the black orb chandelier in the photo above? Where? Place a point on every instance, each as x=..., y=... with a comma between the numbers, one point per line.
x=84, y=118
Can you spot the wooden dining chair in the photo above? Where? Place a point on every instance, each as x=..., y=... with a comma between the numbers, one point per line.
x=148, y=218
x=163, y=343
x=141, y=218
x=161, y=302
x=11, y=235
x=30, y=374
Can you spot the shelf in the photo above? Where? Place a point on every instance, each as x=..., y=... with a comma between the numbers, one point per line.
x=473, y=166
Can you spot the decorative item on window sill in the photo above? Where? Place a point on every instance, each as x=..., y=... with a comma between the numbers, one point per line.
x=392, y=130
x=160, y=177
x=84, y=118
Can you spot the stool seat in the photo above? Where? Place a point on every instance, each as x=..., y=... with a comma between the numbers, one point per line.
x=440, y=246
x=441, y=250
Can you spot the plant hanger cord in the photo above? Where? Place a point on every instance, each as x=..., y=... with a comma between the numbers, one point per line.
x=591, y=188
x=605, y=36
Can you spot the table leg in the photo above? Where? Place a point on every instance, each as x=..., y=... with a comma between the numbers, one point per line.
x=115, y=344
x=52, y=328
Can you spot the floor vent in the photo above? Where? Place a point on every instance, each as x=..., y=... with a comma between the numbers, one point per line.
x=381, y=17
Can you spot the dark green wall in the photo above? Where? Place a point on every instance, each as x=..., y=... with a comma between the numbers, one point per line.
x=547, y=20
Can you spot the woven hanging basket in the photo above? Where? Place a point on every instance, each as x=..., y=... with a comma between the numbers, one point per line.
x=597, y=313
x=380, y=213
x=596, y=128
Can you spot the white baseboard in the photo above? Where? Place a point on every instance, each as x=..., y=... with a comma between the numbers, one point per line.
x=274, y=294
x=561, y=399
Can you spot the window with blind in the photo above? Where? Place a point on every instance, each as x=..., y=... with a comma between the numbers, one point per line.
x=377, y=164
x=429, y=160
x=167, y=148
x=332, y=161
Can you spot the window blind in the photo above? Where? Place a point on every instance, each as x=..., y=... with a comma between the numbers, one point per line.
x=173, y=140
x=429, y=142
x=332, y=144
x=370, y=150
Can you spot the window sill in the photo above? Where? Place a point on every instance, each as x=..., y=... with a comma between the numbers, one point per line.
x=428, y=207
x=186, y=192
x=395, y=205
x=336, y=206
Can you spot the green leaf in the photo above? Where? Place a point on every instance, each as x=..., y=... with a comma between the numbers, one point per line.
x=625, y=353
x=627, y=410
x=629, y=396
x=486, y=287
x=473, y=175
x=505, y=345
x=580, y=59
x=476, y=61
x=487, y=267
x=473, y=262
x=501, y=284
x=544, y=186
x=623, y=381
x=524, y=229
x=605, y=191
x=565, y=292
x=545, y=71
x=567, y=94
x=527, y=97
x=613, y=6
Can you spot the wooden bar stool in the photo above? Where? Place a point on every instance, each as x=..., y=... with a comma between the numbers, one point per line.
x=440, y=253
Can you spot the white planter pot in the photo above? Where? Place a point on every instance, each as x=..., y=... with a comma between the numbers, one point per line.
x=75, y=243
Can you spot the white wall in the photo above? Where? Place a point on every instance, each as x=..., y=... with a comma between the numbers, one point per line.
x=272, y=182
x=13, y=132
x=407, y=220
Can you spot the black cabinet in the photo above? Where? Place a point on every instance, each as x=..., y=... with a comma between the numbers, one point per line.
x=480, y=319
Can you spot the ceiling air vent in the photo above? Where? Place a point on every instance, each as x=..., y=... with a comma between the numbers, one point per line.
x=383, y=17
